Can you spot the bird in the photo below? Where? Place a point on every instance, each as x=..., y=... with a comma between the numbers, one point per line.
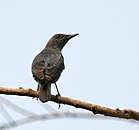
x=48, y=65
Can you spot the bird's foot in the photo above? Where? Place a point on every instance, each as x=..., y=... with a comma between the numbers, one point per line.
x=59, y=106
x=35, y=98
x=58, y=95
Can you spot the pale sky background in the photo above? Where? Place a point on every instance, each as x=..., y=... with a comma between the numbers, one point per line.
x=102, y=63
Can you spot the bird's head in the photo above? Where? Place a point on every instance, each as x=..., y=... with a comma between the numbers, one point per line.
x=59, y=40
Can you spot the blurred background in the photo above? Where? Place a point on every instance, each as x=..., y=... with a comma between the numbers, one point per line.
x=102, y=63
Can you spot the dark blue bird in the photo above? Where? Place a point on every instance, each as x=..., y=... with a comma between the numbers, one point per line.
x=48, y=65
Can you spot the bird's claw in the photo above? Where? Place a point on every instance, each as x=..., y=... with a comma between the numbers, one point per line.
x=58, y=95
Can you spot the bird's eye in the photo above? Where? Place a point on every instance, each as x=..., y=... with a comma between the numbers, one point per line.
x=58, y=36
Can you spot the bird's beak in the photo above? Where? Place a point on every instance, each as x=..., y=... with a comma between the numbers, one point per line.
x=72, y=35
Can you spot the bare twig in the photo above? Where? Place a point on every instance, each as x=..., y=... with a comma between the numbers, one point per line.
x=45, y=117
x=96, y=109
x=6, y=114
x=16, y=107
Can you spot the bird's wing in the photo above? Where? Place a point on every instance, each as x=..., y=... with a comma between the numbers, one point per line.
x=48, y=68
x=55, y=67
x=38, y=69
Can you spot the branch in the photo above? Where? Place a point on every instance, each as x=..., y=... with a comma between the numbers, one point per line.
x=96, y=109
x=43, y=117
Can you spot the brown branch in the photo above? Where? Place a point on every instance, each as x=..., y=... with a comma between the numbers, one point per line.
x=96, y=109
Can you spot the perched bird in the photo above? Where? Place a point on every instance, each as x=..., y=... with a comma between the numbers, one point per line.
x=48, y=65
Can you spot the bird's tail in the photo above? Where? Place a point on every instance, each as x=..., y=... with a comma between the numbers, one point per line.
x=45, y=92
